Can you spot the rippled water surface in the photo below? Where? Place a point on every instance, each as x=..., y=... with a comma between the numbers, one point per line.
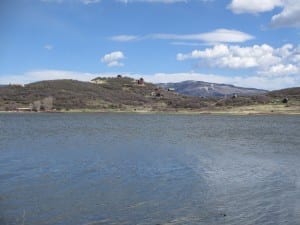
x=92, y=169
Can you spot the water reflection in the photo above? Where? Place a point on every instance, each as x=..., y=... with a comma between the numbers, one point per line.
x=148, y=169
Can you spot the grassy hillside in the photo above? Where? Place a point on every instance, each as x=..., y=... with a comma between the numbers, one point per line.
x=125, y=94
x=285, y=101
x=288, y=92
x=111, y=93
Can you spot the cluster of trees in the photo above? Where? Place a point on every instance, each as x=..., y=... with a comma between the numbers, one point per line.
x=46, y=104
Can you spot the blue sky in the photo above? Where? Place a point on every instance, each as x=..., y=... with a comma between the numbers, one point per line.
x=246, y=43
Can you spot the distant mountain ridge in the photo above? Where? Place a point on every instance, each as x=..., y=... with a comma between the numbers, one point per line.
x=205, y=89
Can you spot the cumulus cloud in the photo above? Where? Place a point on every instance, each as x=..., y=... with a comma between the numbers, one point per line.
x=264, y=58
x=215, y=36
x=113, y=59
x=288, y=17
x=255, y=6
x=281, y=70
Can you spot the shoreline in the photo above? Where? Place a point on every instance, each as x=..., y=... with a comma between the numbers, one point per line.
x=239, y=111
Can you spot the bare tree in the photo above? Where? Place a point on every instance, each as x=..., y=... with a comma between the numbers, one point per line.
x=47, y=103
x=36, y=106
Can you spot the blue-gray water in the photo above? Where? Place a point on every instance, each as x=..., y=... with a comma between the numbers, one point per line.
x=92, y=169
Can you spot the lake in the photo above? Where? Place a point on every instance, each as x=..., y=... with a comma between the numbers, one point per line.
x=106, y=168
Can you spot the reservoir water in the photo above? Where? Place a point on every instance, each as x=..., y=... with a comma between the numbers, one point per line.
x=92, y=169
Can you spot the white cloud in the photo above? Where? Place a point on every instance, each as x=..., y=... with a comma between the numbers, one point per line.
x=264, y=58
x=288, y=17
x=225, y=35
x=114, y=64
x=255, y=6
x=53, y=1
x=183, y=43
x=129, y=1
x=216, y=51
x=113, y=59
x=87, y=2
x=125, y=38
x=164, y=1
x=216, y=36
x=153, y=1
x=281, y=70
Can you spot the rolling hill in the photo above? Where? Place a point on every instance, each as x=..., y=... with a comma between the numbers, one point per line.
x=129, y=95
x=122, y=93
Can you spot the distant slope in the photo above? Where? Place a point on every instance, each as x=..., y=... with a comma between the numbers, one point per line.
x=200, y=88
x=288, y=92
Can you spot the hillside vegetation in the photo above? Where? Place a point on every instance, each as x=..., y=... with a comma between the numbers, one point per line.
x=123, y=94
x=112, y=93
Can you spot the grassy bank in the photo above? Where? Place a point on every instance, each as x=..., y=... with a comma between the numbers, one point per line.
x=266, y=109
